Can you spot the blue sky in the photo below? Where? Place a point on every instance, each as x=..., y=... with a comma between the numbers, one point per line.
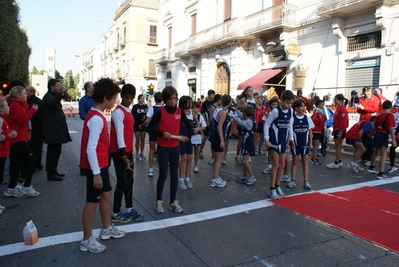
x=70, y=26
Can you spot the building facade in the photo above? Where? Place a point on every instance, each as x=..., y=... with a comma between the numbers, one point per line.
x=90, y=70
x=51, y=61
x=330, y=46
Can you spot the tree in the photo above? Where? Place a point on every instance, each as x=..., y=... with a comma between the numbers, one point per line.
x=14, y=48
x=34, y=70
x=58, y=76
x=69, y=79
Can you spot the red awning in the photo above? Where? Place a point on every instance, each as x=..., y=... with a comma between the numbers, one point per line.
x=261, y=77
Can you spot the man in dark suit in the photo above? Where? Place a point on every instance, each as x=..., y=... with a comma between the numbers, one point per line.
x=55, y=127
x=36, y=139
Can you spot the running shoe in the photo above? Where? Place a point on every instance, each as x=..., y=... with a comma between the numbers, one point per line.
x=111, y=232
x=273, y=194
x=332, y=165
x=285, y=178
x=315, y=161
x=135, y=215
x=189, y=184
x=291, y=184
x=158, y=206
x=306, y=185
x=267, y=170
x=30, y=191
x=92, y=245
x=241, y=180
x=218, y=182
x=182, y=184
x=121, y=217
x=201, y=156
x=238, y=159
x=279, y=192
x=250, y=180
x=12, y=192
x=391, y=169
x=383, y=176
x=151, y=172
x=372, y=169
x=224, y=161
x=195, y=169
x=175, y=207
x=353, y=167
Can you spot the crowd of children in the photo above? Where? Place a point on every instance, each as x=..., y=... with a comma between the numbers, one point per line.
x=178, y=132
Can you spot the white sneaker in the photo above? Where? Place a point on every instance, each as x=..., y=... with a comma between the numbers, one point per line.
x=224, y=161
x=188, y=182
x=12, y=192
x=182, y=185
x=238, y=159
x=285, y=178
x=272, y=194
x=367, y=163
x=151, y=172
x=92, y=245
x=279, y=192
x=158, y=206
x=249, y=160
x=29, y=191
x=2, y=208
x=268, y=169
x=332, y=165
x=211, y=161
x=218, y=182
x=19, y=186
x=353, y=167
x=340, y=163
x=195, y=169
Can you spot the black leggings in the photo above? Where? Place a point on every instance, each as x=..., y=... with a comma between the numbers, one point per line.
x=124, y=183
x=21, y=156
x=392, y=155
x=172, y=156
x=2, y=166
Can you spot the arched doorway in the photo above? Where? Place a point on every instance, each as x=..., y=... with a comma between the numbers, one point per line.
x=222, y=80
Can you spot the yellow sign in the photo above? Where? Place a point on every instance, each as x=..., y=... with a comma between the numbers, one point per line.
x=293, y=49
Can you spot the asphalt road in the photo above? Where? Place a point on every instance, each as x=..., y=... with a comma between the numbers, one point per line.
x=232, y=226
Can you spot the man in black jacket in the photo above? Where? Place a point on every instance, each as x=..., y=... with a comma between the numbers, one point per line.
x=36, y=139
x=55, y=127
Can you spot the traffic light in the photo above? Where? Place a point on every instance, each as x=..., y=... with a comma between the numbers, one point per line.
x=150, y=89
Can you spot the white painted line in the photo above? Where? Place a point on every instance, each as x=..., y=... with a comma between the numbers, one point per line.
x=171, y=222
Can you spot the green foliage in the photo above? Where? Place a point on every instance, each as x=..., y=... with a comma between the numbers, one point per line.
x=58, y=76
x=72, y=94
x=14, y=48
x=69, y=79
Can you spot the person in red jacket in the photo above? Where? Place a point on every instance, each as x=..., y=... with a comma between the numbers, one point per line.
x=21, y=155
x=5, y=135
x=318, y=117
x=368, y=104
x=340, y=123
x=260, y=111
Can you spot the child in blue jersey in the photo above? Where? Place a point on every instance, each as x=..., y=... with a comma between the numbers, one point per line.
x=153, y=138
x=244, y=120
x=186, y=148
x=196, y=138
x=217, y=136
x=216, y=103
x=280, y=124
x=301, y=142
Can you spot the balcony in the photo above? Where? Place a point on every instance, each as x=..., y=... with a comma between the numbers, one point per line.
x=116, y=48
x=164, y=56
x=181, y=49
x=263, y=22
x=343, y=7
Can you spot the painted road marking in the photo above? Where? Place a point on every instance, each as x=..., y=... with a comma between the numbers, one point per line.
x=171, y=222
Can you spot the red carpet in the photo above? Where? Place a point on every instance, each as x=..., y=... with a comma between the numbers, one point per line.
x=369, y=213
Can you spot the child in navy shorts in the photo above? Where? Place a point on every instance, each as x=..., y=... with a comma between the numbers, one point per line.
x=382, y=129
x=244, y=120
x=94, y=160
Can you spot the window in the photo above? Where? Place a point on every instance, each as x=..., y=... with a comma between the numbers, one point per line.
x=153, y=34
x=151, y=68
x=194, y=24
x=117, y=39
x=168, y=75
x=169, y=37
x=227, y=10
x=124, y=35
x=50, y=58
x=364, y=41
x=192, y=69
x=51, y=70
